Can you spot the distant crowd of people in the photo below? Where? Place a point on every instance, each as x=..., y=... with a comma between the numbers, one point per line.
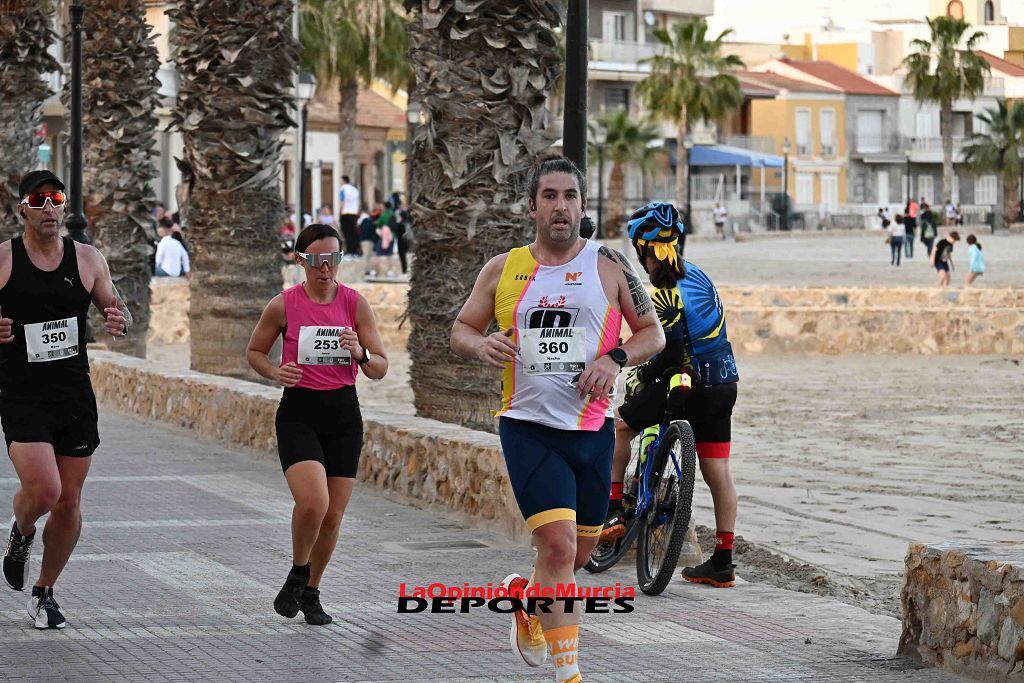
x=381, y=238
x=903, y=228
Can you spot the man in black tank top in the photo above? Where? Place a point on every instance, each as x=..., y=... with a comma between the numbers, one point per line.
x=47, y=407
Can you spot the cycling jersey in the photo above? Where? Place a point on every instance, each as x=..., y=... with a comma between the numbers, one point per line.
x=692, y=312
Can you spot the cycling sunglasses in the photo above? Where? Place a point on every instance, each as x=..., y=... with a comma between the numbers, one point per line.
x=37, y=200
x=332, y=258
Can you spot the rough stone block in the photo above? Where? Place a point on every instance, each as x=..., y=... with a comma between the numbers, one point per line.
x=963, y=607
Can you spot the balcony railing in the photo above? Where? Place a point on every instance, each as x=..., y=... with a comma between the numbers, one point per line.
x=755, y=143
x=877, y=143
x=935, y=144
x=622, y=53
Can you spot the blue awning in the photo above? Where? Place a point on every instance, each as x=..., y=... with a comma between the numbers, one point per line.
x=724, y=155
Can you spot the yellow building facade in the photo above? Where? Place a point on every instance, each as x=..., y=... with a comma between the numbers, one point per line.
x=813, y=123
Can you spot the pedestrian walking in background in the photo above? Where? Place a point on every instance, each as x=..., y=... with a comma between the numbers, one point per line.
x=897, y=233
x=385, y=253
x=367, y=241
x=976, y=259
x=720, y=215
x=349, y=197
x=928, y=228
x=910, y=227
x=885, y=217
x=942, y=257
x=401, y=228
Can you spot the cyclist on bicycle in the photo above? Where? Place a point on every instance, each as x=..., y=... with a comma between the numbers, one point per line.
x=691, y=313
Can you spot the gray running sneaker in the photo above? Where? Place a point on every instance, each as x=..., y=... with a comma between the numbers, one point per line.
x=19, y=548
x=44, y=609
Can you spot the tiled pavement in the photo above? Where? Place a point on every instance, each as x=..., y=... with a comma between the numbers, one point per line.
x=185, y=544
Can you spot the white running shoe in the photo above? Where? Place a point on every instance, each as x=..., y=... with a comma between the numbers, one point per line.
x=44, y=609
x=16, y=557
x=527, y=636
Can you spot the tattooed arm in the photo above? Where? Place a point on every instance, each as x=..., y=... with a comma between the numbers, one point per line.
x=626, y=291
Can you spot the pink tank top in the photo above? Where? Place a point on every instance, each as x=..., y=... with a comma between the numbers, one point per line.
x=311, y=337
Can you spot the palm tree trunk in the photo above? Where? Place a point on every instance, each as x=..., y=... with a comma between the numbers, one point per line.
x=1009, y=200
x=483, y=75
x=682, y=160
x=234, y=105
x=348, y=133
x=616, y=200
x=117, y=160
x=25, y=35
x=946, y=131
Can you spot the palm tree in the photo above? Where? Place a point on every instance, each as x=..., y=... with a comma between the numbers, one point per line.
x=237, y=70
x=626, y=143
x=999, y=150
x=691, y=80
x=117, y=158
x=943, y=70
x=483, y=74
x=345, y=42
x=25, y=34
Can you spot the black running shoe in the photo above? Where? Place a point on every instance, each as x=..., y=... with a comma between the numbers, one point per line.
x=615, y=527
x=312, y=609
x=19, y=548
x=706, y=573
x=44, y=609
x=287, y=601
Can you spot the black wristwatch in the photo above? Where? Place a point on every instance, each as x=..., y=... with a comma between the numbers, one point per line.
x=366, y=357
x=619, y=356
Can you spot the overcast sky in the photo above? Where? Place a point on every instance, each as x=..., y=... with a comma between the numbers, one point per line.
x=766, y=21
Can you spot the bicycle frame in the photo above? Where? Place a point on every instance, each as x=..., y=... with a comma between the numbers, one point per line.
x=645, y=496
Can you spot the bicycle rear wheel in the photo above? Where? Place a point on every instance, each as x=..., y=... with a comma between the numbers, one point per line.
x=663, y=529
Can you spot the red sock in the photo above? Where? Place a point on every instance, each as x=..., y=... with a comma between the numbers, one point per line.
x=723, y=540
x=616, y=490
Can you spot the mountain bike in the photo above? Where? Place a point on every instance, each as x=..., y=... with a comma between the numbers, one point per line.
x=659, y=499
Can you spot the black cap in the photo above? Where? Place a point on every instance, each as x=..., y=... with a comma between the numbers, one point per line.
x=30, y=181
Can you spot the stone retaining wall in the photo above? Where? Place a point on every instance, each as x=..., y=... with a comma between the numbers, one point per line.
x=963, y=609
x=830, y=320
x=413, y=460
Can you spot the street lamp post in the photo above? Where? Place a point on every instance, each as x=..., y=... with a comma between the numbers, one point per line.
x=910, y=192
x=688, y=146
x=304, y=92
x=77, y=222
x=600, y=136
x=1020, y=183
x=786, y=147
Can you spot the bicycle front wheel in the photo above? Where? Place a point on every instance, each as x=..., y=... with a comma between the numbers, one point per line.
x=663, y=529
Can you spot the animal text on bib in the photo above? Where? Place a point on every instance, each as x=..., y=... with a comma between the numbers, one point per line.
x=321, y=345
x=553, y=350
x=51, y=340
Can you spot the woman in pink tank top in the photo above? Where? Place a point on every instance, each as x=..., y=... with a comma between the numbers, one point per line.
x=329, y=337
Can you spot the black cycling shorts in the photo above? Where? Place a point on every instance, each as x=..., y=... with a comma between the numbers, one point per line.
x=320, y=425
x=708, y=409
x=70, y=425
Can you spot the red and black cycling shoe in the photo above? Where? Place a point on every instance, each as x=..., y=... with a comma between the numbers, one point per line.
x=706, y=573
x=615, y=527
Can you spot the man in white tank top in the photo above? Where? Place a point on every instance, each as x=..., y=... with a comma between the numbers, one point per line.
x=559, y=303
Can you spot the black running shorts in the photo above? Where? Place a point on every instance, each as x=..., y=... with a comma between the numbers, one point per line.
x=67, y=424
x=708, y=409
x=321, y=425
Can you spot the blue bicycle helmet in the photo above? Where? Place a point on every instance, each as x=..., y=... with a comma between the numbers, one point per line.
x=655, y=222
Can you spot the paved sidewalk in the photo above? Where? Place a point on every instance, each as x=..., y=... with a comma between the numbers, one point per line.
x=185, y=544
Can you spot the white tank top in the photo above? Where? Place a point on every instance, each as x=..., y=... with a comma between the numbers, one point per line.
x=563, y=322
